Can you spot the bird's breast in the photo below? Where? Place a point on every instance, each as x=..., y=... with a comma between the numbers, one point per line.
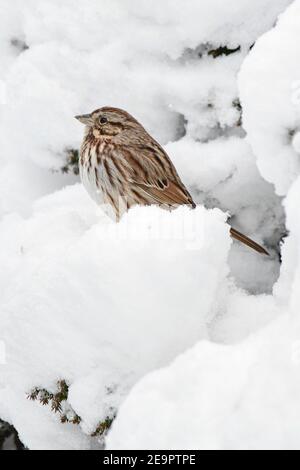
x=92, y=150
x=96, y=169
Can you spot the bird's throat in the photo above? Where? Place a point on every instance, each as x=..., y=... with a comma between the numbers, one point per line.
x=97, y=133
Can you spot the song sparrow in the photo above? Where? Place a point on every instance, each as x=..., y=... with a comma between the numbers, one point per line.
x=121, y=165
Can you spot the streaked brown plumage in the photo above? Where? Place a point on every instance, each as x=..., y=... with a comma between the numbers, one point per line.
x=121, y=165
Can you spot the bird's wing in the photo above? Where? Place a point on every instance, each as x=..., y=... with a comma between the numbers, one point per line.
x=155, y=176
x=170, y=195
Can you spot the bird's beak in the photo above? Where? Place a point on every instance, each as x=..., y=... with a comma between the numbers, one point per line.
x=85, y=119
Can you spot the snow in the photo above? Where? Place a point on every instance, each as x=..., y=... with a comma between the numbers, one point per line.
x=275, y=139
x=192, y=340
x=103, y=306
x=244, y=394
x=218, y=397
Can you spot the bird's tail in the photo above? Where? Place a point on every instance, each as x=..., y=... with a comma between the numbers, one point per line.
x=247, y=241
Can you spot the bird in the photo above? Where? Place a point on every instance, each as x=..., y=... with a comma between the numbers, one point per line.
x=121, y=165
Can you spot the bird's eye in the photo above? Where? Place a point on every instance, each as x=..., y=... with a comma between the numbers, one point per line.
x=103, y=120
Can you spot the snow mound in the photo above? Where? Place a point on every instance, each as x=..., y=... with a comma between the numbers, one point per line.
x=270, y=94
x=218, y=397
x=99, y=304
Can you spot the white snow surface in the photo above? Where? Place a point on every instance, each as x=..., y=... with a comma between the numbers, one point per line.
x=190, y=338
x=270, y=73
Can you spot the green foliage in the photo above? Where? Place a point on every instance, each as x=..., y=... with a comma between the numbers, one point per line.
x=103, y=427
x=223, y=50
x=55, y=401
x=71, y=161
x=58, y=403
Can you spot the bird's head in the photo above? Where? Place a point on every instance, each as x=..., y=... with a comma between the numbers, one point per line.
x=108, y=121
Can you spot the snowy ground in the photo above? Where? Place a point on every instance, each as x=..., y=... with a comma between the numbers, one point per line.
x=191, y=340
